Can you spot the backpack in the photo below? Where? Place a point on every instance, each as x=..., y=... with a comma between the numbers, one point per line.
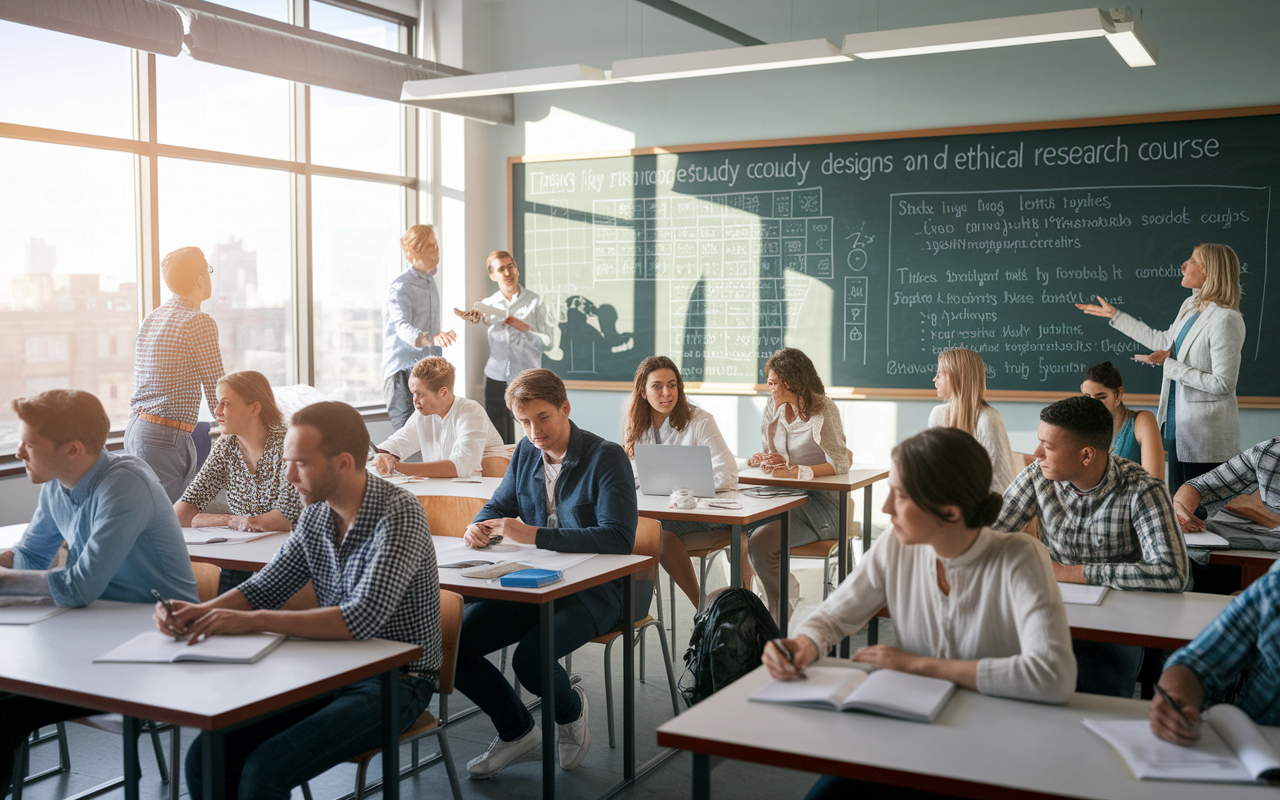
x=727, y=642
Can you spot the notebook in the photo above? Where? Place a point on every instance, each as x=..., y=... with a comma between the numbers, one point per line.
x=1207, y=540
x=153, y=647
x=223, y=535
x=885, y=691
x=1082, y=594
x=1231, y=749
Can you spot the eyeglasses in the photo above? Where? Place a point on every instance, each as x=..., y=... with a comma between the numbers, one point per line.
x=209, y=267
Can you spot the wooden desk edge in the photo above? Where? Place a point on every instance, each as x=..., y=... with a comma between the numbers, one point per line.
x=723, y=519
x=796, y=483
x=497, y=592
x=207, y=722
x=845, y=769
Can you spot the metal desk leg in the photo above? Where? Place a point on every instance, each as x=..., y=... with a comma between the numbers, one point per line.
x=873, y=627
x=132, y=768
x=391, y=735
x=549, y=761
x=628, y=679
x=214, y=765
x=784, y=576
x=842, y=553
x=701, y=776
x=735, y=557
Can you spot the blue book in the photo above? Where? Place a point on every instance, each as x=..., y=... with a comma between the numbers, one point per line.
x=532, y=578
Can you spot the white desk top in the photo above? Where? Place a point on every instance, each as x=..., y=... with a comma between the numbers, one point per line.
x=247, y=556
x=988, y=741
x=753, y=508
x=445, y=487
x=1149, y=619
x=859, y=475
x=10, y=534
x=54, y=659
x=594, y=571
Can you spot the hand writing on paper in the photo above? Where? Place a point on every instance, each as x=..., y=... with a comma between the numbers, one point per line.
x=803, y=650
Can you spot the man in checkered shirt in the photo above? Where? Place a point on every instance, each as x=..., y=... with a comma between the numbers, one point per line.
x=1105, y=520
x=1257, y=468
x=176, y=353
x=365, y=546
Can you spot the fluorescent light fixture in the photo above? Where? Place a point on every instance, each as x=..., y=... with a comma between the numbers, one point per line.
x=721, y=62
x=538, y=79
x=1131, y=40
x=1056, y=26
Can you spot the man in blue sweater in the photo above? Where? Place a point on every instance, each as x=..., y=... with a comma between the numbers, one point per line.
x=576, y=494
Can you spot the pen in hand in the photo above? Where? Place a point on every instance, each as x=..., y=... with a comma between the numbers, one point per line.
x=788, y=655
x=168, y=608
x=1174, y=705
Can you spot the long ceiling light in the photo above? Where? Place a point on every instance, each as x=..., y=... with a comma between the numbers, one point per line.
x=1121, y=29
x=538, y=79
x=721, y=62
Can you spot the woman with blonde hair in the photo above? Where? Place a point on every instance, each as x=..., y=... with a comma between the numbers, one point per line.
x=661, y=414
x=1199, y=355
x=961, y=380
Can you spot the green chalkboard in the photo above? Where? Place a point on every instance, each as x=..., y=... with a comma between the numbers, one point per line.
x=872, y=254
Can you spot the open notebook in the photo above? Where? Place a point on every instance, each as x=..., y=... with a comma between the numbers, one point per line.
x=886, y=692
x=153, y=647
x=1231, y=749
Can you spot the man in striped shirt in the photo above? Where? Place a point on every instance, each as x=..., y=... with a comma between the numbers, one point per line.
x=1256, y=469
x=175, y=355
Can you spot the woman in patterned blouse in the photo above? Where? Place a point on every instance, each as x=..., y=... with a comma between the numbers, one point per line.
x=246, y=461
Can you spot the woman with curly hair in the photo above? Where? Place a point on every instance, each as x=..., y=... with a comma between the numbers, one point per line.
x=961, y=380
x=661, y=414
x=802, y=437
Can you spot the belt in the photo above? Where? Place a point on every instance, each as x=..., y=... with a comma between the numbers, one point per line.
x=168, y=423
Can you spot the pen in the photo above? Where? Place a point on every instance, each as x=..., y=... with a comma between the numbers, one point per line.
x=787, y=654
x=1173, y=704
x=168, y=608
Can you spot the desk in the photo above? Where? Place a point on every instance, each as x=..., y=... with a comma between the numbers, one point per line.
x=1253, y=564
x=754, y=509
x=445, y=487
x=53, y=660
x=593, y=572
x=10, y=534
x=859, y=476
x=978, y=747
x=1166, y=620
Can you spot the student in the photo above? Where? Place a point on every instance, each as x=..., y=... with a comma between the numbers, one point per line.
x=365, y=546
x=122, y=537
x=1238, y=651
x=411, y=320
x=802, y=436
x=1135, y=434
x=1105, y=520
x=176, y=353
x=566, y=490
x=961, y=380
x=1200, y=356
x=661, y=414
x=453, y=433
x=1256, y=469
x=516, y=342
x=969, y=605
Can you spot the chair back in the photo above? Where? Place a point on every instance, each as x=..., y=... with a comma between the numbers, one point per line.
x=1026, y=458
x=207, y=578
x=493, y=467
x=450, y=516
x=648, y=543
x=450, y=629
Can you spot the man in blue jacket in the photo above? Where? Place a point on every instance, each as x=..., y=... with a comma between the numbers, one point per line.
x=576, y=494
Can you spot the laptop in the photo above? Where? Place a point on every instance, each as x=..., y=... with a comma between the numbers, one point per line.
x=664, y=467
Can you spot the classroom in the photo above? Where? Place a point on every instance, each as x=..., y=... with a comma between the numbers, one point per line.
x=860, y=221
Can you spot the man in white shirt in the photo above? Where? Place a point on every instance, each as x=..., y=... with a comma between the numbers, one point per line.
x=453, y=433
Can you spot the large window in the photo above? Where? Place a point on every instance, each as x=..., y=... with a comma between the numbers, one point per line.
x=79, y=267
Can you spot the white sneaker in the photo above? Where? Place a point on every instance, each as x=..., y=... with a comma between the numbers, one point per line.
x=500, y=754
x=575, y=738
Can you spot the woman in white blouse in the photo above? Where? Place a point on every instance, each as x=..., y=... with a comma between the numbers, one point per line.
x=661, y=414
x=961, y=380
x=969, y=605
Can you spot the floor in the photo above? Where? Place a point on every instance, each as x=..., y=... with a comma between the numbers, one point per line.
x=95, y=756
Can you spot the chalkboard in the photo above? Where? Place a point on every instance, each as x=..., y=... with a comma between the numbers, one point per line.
x=872, y=253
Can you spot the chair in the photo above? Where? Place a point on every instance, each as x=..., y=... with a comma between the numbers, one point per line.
x=706, y=557
x=1032, y=527
x=207, y=577
x=648, y=542
x=450, y=516
x=493, y=467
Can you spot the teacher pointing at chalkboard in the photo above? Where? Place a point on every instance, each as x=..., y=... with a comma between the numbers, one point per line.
x=1200, y=354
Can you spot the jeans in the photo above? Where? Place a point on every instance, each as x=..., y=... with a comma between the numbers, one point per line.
x=266, y=759
x=495, y=405
x=399, y=399
x=490, y=625
x=1106, y=668
x=19, y=716
x=169, y=452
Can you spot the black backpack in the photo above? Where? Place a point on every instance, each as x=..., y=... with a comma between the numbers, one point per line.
x=728, y=642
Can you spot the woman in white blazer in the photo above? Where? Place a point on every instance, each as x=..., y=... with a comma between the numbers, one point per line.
x=1200, y=354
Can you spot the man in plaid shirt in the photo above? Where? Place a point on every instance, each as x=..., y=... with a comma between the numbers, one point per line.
x=176, y=353
x=1105, y=520
x=1244, y=639
x=1256, y=468
x=365, y=546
